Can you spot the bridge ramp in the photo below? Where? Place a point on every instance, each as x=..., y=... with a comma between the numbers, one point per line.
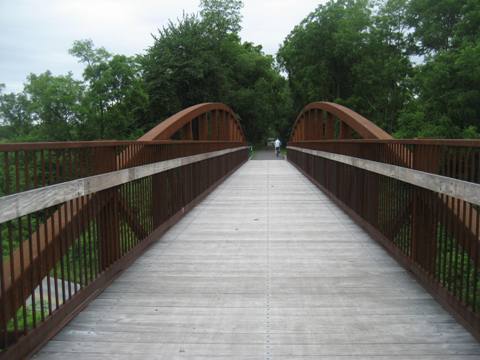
x=266, y=267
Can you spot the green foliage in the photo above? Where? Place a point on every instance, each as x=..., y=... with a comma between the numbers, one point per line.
x=221, y=16
x=342, y=53
x=449, y=94
x=319, y=53
x=48, y=108
x=16, y=116
x=411, y=66
x=440, y=25
x=115, y=101
x=447, y=85
x=201, y=59
x=109, y=103
x=433, y=22
x=362, y=54
x=55, y=101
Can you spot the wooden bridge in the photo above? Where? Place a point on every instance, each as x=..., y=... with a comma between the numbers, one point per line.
x=177, y=246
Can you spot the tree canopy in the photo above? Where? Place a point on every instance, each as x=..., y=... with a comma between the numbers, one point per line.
x=190, y=63
x=411, y=66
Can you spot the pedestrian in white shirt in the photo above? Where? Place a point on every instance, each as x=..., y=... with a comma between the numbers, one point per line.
x=277, y=144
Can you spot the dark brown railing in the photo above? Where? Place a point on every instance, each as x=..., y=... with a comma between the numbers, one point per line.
x=419, y=198
x=73, y=215
x=452, y=158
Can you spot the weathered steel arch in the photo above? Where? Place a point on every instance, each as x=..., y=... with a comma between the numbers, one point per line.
x=207, y=121
x=325, y=120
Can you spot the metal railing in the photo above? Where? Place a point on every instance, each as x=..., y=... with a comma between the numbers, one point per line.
x=419, y=198
x=75, y=214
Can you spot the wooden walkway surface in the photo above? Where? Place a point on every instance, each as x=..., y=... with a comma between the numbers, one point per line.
x=266, y=154
x=265, y=268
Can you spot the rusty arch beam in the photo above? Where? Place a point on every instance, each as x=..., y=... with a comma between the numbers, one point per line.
x=348, y=118
x=217, y=119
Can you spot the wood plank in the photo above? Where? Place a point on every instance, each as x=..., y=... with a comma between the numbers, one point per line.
x=265, y=267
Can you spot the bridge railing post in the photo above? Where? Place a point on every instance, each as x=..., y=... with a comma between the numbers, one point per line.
x=107, y=221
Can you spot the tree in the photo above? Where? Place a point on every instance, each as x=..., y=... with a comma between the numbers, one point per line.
x=318, y=54
x=15, y=116
x=115, y=100
x=198, y=59
x=448, y=101
x=434, y=22
x=55, y=104
x=411, y=66
x=222, y=16
x=382, y=77
x=181, y=68
x=446, y=86
x=345, y=52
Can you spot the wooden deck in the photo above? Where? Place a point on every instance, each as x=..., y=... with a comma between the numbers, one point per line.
x=265, y=268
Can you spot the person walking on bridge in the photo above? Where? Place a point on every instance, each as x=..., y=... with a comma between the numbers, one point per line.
x=277, y=144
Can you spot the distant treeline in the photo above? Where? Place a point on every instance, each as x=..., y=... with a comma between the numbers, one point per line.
x=411, y=66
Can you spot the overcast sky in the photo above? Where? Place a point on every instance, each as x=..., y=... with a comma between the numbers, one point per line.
x=35, y=35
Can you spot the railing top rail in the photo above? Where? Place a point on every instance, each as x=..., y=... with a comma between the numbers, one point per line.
x=460, y=189
x=99, y=143
x=16, y=205
x=444, y=142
